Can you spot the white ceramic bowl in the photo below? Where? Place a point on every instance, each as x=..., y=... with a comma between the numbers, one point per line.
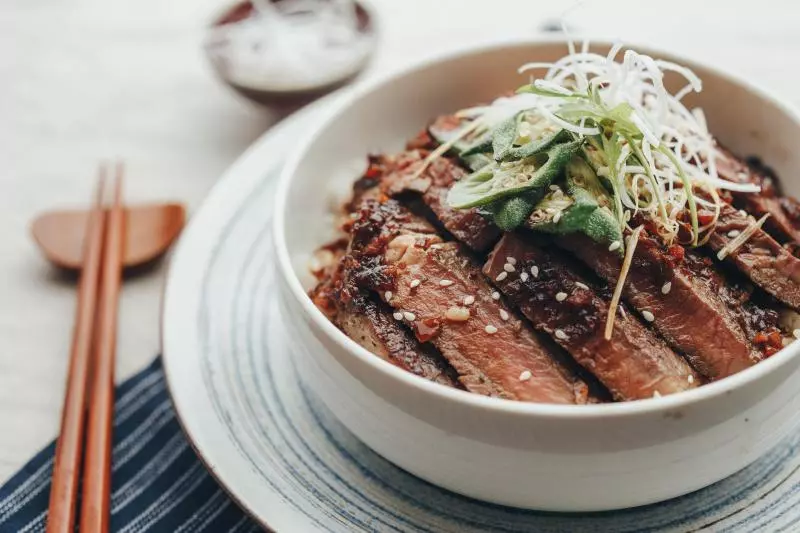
x=569, y=458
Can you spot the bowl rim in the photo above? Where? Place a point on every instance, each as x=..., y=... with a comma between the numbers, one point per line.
x=222, y=13
x=419, y=384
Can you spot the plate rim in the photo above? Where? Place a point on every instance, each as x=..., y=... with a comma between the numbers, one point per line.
x=276, y=135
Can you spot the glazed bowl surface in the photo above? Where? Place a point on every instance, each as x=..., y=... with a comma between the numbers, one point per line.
x=549, y=457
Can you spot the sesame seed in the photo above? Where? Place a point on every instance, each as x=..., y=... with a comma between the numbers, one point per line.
x=581, y=285
x=445, y=282
x=398, y=316
x=508, y=267
x=733, y=233
x=535, y=271
x=556, y=217
x=495, y=295
x=554, y=188
x=469, y=300
x=665, y=288
x=388, y=295
x=690, y=379
x=560, y=335
x=648, y=316
x=511, y=260
x=523, y=276
x=622, y=311
x=408, y=315
x=525, y=375
x=796, y=333
x=614, y=246
x=415, y=283
x=490, y=329
x=561, y=296
x=457, y=314
x=656, y=394
x=504, y=314
x=742, y=212
x=501, y=276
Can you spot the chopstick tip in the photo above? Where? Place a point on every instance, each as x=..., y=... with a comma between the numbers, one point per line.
x=102, y=176
x=119, y=178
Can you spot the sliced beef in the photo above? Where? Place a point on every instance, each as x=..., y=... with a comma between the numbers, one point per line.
x=685, y=302
x=369, y=322
x=367, y=184
x=432, y=185
x=755, y=312
x=784, y=211
x=421, y=303
x=634, y=364
x=362, y=316
x=761, y=258
x=441, y=295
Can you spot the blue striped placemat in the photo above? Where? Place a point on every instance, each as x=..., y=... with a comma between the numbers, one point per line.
x=158, y=482
x=159, y=485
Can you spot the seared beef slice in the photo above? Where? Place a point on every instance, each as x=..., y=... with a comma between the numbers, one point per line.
x=442, y=296
x=760, y=258
x=432, y=185
x=634, y=364
x=686, y=307
x=370, y=323
x=784, y=211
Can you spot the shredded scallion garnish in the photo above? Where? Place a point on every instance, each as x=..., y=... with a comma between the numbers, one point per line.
x=633, y=239
x=656, y=155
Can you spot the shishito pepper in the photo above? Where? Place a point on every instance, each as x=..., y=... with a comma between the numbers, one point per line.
x=584, y=208
x=527, y=178
x=515, y=186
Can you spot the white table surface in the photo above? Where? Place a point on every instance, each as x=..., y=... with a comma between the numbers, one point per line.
x=86, y=79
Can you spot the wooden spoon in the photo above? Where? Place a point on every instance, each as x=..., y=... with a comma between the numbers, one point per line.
x=150, y=230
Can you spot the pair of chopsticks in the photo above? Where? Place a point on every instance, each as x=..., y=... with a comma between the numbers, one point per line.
x=90, y=383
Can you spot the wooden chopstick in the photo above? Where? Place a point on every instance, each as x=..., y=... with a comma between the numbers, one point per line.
x=63, y=494
x=97, y=462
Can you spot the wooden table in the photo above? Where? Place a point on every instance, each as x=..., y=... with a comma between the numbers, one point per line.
x=87, y=79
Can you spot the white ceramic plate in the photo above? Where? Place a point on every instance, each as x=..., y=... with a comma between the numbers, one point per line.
x=282, y=455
